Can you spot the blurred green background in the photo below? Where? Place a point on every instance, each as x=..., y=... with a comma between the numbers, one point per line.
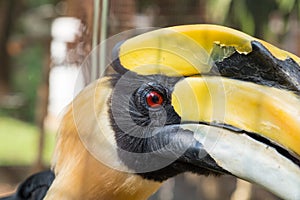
x=19, y=142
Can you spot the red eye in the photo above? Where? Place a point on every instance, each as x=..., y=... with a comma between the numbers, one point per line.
x=154, y=99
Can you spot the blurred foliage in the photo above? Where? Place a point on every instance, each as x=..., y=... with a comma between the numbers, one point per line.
x=27, y=76
x=253, y=16
x=30, y=30
x=35, y=3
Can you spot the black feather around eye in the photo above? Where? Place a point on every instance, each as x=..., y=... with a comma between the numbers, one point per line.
x=130, y=113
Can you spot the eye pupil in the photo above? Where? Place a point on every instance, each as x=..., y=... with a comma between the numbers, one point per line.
x=154, y=99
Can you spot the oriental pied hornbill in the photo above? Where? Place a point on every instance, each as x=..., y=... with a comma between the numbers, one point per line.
x=198, y=98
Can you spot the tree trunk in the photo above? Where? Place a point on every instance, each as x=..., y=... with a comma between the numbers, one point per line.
x=42, y=105
x=6, y=20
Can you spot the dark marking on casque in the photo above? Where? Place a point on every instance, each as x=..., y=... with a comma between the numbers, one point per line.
x=261, y=67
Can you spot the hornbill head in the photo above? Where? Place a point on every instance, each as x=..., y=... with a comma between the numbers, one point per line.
x=199, y=98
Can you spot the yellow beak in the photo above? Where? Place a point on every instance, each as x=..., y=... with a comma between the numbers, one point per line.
x=250, y=126
x=229, y=113
x=185, y=50
x=271, y=112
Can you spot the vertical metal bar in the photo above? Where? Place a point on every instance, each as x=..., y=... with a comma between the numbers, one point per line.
x=95, y=40
x=103, y=36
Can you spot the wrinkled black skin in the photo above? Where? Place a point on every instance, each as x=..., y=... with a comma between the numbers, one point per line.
x=33, y=188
